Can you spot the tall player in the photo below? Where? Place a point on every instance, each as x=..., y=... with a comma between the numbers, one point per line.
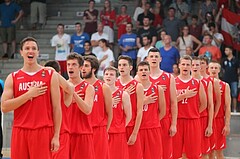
x=66, y=90
x=153, y=111
x=206, y=117
x=166, y=80
x=122, y=114
x=135, y=90
x=222, y=120
x=33, y=94
x=101, y=116
x=81, y=133
x=191, y=102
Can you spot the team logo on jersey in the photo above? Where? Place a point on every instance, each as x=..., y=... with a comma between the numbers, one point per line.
x=96, y=88
x=153, y=90
x=163, y=78
x=193, y=83
x=43, y=73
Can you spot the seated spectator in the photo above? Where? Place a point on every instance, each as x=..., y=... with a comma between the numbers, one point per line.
x=122, y=21
x=187, y=40
x=143, y=51
x=78, y=39
x=96, y=37
x=105, y=57
x=158, y=12
x=61, y=43
x=189, y=51
x=139, y=9
x=10, y=13
x=217, y=37
x=90, y=18
x=182, y=11
x=38, y=8
x=175, y=70
x=160, y=43
x=146, y=13
x=87, y=48
x=207, y=7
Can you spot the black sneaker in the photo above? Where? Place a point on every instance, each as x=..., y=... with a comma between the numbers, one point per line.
x=12, y=56
x=5, y=56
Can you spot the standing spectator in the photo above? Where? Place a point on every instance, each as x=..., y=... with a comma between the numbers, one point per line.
x=210, y=51
x=225, y=3
x=105, y=57
x=146, y=30
x=195, y=29
x=209, y=18
x=175, y=70
x=143, y=51
x=108, y=17
x=128, y=45
x=97, y=36
x=61, y=43
x=217, y=37
x=78, y=39
x=139, y=9
x=38, y=8
x=88, y=50
x=207, y=6
x=160, y=43
x=182, y=11
x=146, y=13
x=172, y=24
x=1, y=134
x=158, y=12
x=231, y=70
x=8, y=12
x=170, y=55
x=90, y=18
x=122, y=21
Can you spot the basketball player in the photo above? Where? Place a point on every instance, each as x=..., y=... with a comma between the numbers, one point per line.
x=135, y=90
x=81, y=133
x=191, y=102
x=206, y=116
x=153, y=112
x=222, y=120
x=101, y=116
x=122, y=114
x=33, y=94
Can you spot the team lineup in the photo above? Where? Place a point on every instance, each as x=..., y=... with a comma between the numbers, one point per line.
x=151, y=116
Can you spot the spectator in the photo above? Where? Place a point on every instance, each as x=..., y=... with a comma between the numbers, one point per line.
x=8, y=12
x=78, y=39
x=187, y=40
x=61, y=43
x=158, y=14
x=146, y=30
x=195, y=29
x=105, y=57
x=170, y=55
x=237, y=6
x=128, y=45
x=1, y=134
x=207, y=7
x=139, y=9
x=230, y=66
x=160, y=43
x=172, y=24
x=182, y=11
x=209, y=18
x=38, y=8
x=97, y=36
x=122, y=21
x=210, y=51
x=143, y=51
x=108, y=17
x=146, y=13
x=189, y=51
x=223, y=3
x=175, y=70
x=87, y=47
x=90, y=18
x=217, y=37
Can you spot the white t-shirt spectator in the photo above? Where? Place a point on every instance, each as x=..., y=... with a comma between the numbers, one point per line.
x=62, y=46
x=218, y=36
x=97, y=37
x=142, y=53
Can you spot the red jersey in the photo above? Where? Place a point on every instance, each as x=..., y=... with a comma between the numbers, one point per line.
x=164, y=79
x=122, y=27
x=188, y=108
x=133, y=98
x=65, y=118
x=150, y=117
x=111, y=14
x=35, y=113
x=205, y=82
x=221, y=112
x=98, y=115
x=118, y=121
x=79, y=122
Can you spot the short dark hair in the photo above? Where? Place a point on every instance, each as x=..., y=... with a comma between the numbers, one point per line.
x=204, y=58
x=195, y=17
x=229, y=47
x=153, y=50
x=171, y=8
x=211, y=25
x=130, y=24
x=111, y=68
x=125, y=57
x=78, y=57
x=93, y=61
x=54, y=64
x=28, y=39
x=143, y=63
x=78, y=23
x=104, y=41
x=124, y=5
x=209, y=35
x=88, y=42
x=91, y=1
x=146, y=17
x=60, y=24
x=195, y=58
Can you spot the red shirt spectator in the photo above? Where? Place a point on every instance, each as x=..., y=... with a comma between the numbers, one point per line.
x=122, y=21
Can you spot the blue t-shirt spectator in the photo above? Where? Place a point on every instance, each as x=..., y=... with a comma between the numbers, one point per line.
x=129, y=40
x=169, y=57
x=8, y=14
x=78, y=42
x=1, y=87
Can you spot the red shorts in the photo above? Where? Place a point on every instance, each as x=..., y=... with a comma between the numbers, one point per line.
x=28, y=143
x=63, y=67
x=81, y=146
x=205, y=141
x=135, y=149
x=220, y=138
x=213, y=136
x=166, y=138
x=118, y=148
x=64, y=148
x=100, y=142
x=187, y=138
x=151, y=143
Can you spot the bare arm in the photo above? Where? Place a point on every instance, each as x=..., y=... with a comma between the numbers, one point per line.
x=226, y=129
x=108, y=104
x=127, y=107
x=85, y=105
x=138, y=60
x=194, y=39
x=161, y=103
x=202, y=98
x=94, y=43
x=218, y=96
x=154, y=40
x=139, y=45
x=208, y=131
x=20, y=14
